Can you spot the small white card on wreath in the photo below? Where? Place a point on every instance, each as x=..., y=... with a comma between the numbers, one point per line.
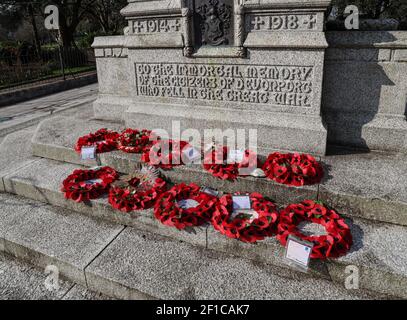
x=235, y=156
x=93, y=181
x=298, y=252
x=88, y=153
x=187, y=203
x=241, y=202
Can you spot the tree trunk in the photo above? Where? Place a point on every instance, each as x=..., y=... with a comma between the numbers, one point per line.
x=67, y=38
x=35, y=29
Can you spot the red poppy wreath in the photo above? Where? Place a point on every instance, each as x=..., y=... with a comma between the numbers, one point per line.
x=338, y=238
x=135, y=141
x=136, y=192
x=244, y=227
x=293, y=169
x=215, y=162
x=165, y=153
x=84, y=185
x=103, y=139
x=184, y=206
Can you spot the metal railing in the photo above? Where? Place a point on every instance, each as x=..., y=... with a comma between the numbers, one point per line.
x=21, y=67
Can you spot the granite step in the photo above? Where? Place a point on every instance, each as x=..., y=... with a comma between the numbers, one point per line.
x=21, y=280
x=378, y=250
x=370, y=186
x=127, y=263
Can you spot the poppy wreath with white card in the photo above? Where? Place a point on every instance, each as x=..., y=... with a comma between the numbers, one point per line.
x=104, y=140
x=216, y=162
x=137, y=191
x=135, y=141
x=83, y=185
x=165, y=154
x=248, y=226
x=338, y=238
x=184, y=206
x=293, y=169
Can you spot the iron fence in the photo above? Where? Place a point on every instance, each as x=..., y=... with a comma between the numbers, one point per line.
x=23, y=66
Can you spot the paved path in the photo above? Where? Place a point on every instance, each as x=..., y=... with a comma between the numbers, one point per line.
x=25, y=114
x=20, y=280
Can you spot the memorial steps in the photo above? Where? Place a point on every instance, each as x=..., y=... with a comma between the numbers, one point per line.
x=134, y=256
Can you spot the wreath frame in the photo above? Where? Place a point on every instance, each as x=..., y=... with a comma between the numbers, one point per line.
x=152, y=155
x=338, y=238
x=293, y=169
x=76, y=188
x=228, y=171
x=265, y=225
x=135, y=141
x=167, y=211
x=104, y=139
x=126, y=198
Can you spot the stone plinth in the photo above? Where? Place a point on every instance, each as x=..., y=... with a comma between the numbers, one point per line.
x=219, y=64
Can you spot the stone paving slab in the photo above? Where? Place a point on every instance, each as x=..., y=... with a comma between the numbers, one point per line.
x=138, y=263
x=45, y=235
x=22, y=281
x=55, y=137
x=78, y=292
x=379, y=251
x=15, y=152
x=27, y=113
x=371, y=186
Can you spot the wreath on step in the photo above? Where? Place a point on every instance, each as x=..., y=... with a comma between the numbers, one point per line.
x=338, y=238
x=135, y=141
x=165, y=153
x=184, y=206
x=293, y=169
x=83, y=185
x=215, y=162
x=137, y=191
x=261, y=223
x=103, y=139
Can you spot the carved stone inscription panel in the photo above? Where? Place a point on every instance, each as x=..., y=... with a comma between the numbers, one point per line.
x=277, y=85
x=156, y=25
x=281, y=22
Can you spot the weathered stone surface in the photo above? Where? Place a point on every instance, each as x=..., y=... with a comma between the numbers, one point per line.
x=364, y=96
x=380, y=255
x=78, y=292
x=25, y=114
x=142, y=265
x=44, y=235
x=62, y=133
x=21, y=281
x=15, y=152
x=370, y=186
x=269, y=251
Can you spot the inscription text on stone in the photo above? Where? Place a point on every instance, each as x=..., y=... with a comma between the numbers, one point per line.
x=276, y=85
